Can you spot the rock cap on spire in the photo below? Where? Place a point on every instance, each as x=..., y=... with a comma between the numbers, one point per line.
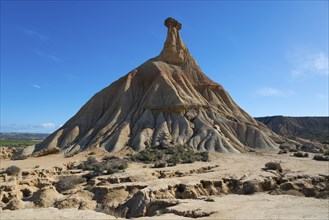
x=174, y=50
x=171, y=22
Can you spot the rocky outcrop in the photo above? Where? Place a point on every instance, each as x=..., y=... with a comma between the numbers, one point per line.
x=144, y=191
x=147, y=201
x=46, y=197
x=313, y=128
x=168, y=94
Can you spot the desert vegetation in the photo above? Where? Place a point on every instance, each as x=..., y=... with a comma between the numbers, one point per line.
x=108, y=165
x=121, y=187
x=300, y=154
x=170, y=155
x=320, y=157
x=13, y=170
x=17, y=142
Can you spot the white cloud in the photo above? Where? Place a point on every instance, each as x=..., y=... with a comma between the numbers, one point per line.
x=36, y=86
x=306, y=65
x=36, y=34
x=47, y=56
x=269, y=91
x=48, y=125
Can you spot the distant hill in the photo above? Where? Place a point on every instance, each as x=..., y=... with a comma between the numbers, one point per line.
x=21, y=136
x=314, y=128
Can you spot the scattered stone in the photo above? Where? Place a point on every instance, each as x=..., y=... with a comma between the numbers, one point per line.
x=250, y=187
x=287, y=186
x=46, y=197
x=14, y=204
x=23, y=153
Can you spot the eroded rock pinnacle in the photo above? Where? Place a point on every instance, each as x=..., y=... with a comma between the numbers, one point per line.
x=171, y=22
x=174, y=50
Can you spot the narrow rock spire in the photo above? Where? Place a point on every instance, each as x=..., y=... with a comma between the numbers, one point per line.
x=172, y=23
x=174, y=50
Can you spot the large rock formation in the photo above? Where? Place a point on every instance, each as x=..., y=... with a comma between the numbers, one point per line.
x=167, y=96
x=313, y=128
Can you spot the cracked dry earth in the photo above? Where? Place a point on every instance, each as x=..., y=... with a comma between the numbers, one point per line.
x=230, y=186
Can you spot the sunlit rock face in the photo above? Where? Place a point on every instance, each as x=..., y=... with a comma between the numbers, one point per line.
x=170, y=95
x=174, y=50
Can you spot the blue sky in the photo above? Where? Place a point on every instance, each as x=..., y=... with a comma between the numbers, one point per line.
x=271, y=56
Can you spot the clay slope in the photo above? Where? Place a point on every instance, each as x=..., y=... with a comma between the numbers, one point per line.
x=170, y=96
x=314, y=128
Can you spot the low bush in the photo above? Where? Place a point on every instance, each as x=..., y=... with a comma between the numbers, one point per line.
x=108, y=165
x=283, y=152
x=148, y=156
x=300, y=154
x=13, y=170
x=273, y=166
x=326, y=153
x=321, y=157
x=68, y=182
x=160, y=164
x=170, y=155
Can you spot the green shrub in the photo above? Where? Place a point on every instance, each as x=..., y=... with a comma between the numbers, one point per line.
x=148, y=156
x=170, y=155
x=300, y=154
x=326, y=153
x=204, y=156
x=273, y=166
x=88, y=187
x=283, y=152
x=68, y=182
x=108, y=165
x=321, y=157
x=159, y=164
x=91, y=160
x=13, y=170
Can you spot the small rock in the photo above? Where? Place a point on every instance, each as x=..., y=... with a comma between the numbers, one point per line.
x=323, y=195
x=14, y=204
x=250, y=187
x=46, y=197
x=287, y=186
x=309, y=192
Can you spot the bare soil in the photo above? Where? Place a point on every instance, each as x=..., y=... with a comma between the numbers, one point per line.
x=196, y=203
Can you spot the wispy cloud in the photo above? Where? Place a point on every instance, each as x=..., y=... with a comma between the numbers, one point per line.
x=47, y=56
x=306, y=65
x=36, y=35
x=46, y=127
x=36, y=86
x=273, y=92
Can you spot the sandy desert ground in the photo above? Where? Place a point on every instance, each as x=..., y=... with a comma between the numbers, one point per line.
x=290, y=197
